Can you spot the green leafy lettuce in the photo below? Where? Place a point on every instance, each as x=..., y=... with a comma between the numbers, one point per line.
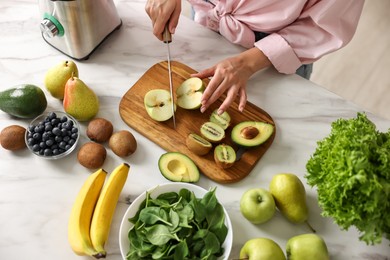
x=351, y=170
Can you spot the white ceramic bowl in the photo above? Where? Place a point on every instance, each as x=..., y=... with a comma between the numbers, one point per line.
x=199, y=192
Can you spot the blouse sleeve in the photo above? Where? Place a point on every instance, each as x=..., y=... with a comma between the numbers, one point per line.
x=324, y=26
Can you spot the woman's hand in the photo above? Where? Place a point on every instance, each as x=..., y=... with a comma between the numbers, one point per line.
x=163, y=13
x=230, y=76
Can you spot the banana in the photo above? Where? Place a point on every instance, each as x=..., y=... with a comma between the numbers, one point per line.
x=81, y=215
x=105, y=207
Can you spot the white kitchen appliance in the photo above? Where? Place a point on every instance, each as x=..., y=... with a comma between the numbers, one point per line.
x=78, y=27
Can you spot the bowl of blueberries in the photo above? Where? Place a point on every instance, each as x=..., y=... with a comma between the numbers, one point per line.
x=52, y=135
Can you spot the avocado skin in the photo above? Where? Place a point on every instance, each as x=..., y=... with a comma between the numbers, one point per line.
x=23, y=101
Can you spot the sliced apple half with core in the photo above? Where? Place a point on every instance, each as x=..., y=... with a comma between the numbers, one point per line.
x=158, y=104
x=189, y=93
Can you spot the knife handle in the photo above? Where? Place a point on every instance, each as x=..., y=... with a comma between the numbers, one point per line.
x=167, y=37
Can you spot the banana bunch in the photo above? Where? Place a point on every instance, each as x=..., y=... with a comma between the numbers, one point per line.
x=93, y=210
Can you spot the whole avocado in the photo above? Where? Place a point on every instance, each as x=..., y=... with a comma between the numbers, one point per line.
x=23, y=101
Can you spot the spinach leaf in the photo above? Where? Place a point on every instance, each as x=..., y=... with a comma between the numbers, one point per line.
x=159, y=234
x=152, y=215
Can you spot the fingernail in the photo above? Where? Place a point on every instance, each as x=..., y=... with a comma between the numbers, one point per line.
x=220, y=111
x=173, y=30
x=202, y=109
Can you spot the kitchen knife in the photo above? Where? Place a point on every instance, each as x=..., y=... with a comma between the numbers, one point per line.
x=167, y=38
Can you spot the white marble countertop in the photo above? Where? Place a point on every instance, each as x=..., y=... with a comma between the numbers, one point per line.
x=36, y=195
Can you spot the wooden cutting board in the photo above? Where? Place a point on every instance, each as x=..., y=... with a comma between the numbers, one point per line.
x=133, y=113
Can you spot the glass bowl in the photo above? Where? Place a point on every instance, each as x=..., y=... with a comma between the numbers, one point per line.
x=52, y=135
x=199, y=192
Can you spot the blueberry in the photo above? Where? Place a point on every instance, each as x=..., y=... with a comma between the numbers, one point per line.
x=64, y=132
x=74, y=136
x=57, y=131
x=49, y=142
x=47, y=152
x=62, y=145
x=64, y=119
x=37, y=136
x=66, y=138
x=42, y=144
x=52, y=115
x=36, y=147
x=74, y=130
x=56, y=152
x=72, y=142
x=67, y=147
x=55, y=121
x=48, y=127
x=58, y=139
x=30, y=141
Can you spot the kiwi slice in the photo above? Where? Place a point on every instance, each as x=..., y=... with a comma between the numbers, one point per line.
x=224, y=156
x=223, y=119
x=212, y=132
x=197, y=144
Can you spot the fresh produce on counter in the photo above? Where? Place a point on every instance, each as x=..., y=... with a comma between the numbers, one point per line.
x=158, y=104
x=290, y=197
x=99, y=130
x=81, y=216
x=123, y=143
x=106, y=205
x=307, y=247
x=178, y=225
x=189, y=93
x=92, y=212
x=224, y=119
x=12, y=137
x=251, y=133
x=300, y=247
x=351, y=170
x=57, y=76
x=178, y=167
x=197, y=144
x=23, y=101
x=261, y=249
x=257, y=205
x=92, y=155
x=80, y=101
x=224, y=156
x=212, y=132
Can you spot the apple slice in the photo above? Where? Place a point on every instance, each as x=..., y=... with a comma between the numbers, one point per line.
x=158, y=104
x=189, y=93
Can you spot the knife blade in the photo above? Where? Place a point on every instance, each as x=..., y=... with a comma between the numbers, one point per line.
x=167, y=39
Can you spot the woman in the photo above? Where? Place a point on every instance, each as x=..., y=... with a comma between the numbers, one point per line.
x=288, y=35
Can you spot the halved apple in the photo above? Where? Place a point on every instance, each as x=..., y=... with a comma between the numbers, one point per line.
x=158, y=104
x=189, y=93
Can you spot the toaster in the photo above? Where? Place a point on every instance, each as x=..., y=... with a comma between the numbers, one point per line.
x=77, y=27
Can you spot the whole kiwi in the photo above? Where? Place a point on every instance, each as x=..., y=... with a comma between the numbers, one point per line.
x=99, y=130
x=92, y=155
x=123, y=143
x=12, y=137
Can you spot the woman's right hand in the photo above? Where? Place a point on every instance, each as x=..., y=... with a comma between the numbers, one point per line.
x=163, y=13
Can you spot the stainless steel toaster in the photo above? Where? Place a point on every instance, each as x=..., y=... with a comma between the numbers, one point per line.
x=77, y=27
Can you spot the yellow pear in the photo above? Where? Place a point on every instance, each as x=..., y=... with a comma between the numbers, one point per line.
x=80, y=101
x=290, y=197
x=57, y=76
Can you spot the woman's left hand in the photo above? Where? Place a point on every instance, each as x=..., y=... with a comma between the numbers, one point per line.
x=230, y=76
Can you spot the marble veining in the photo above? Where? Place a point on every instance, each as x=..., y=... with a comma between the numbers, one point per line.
x=36, y=195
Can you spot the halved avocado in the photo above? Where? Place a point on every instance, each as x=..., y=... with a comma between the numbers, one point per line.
x=251, y=133
x=178, y=167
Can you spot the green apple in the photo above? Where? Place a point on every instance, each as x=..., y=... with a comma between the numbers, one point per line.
x=189, y=93
x=57, y=77
x=257, y=205
x=158, y=104
x=307, y=247
x=261, y=249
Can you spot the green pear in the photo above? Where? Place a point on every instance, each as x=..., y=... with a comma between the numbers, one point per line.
x=80, y=101
x=261, y=249
x=57, y=76
x=290, y=197
x=307, y=247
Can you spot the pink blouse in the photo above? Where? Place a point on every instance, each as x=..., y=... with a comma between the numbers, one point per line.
x=301, y=31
